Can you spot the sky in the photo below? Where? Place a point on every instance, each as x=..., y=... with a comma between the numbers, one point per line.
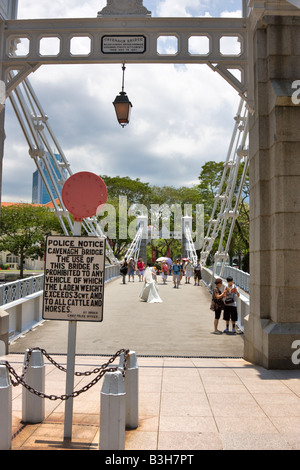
x=182, y=115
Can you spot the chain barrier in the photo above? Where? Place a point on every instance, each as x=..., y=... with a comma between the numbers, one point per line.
x=101, y=371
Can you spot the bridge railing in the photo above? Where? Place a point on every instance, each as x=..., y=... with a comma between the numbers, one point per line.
x=11, y=291
x=16, y=290
x=21, y=304
x=241, y=278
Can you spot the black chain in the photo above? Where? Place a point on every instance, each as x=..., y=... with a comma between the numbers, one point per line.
x=101, y=371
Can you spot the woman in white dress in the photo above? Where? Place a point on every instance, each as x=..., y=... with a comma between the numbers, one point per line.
x=149, y=292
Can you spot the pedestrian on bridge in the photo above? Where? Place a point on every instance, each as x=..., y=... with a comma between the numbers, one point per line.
x=188, y=271
x=176, y=269
x=230, y=305
x=197, y=273
x=164, y=272
x=217, y=304
x=149, y=292
x=124, y=269
x=141, y=269
x=131, y=269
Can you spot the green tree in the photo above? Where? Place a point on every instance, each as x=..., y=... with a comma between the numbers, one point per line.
x=110, y=220
x=156, y=198
x=24, y=228
x=209, y=182
x=136, y=191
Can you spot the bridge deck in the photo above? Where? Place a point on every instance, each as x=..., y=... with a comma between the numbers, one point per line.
x=180, y=326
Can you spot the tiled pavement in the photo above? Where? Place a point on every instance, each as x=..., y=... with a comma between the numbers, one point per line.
x=190, y=396
x=184, y=404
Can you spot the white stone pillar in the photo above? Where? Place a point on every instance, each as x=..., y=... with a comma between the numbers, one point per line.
x=187, y=222
x=5, y=409
x=142, y=221
x=112, y=413
x=33, y=406
x=131, y=382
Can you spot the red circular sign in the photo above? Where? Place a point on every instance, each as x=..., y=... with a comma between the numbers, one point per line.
x=84, y=194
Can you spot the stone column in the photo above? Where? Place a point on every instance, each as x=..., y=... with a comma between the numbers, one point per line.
x=142, y=221
x=274, y=320
x=187, y=222
x=2, y=140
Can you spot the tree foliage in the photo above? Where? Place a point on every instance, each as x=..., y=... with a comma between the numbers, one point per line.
x=155, y=198
x=24, y=228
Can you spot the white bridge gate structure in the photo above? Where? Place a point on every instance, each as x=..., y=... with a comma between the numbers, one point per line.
x=261, y=71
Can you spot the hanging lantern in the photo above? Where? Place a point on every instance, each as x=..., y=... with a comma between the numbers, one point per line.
x=122, y=104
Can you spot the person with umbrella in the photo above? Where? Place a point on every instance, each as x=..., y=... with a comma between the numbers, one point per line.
x=165, y=268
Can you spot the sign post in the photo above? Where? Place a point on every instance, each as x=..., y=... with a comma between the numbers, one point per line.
x=75, y=271
x=72, y=332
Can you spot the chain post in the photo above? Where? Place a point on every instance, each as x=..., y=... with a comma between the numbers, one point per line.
x=33, y=406
x=5, y=408
x=113, y=411
x=100, y=371
x=131, y=380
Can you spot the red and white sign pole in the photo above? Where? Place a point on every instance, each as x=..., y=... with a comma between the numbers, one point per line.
x=83, y=195
x=72, y=332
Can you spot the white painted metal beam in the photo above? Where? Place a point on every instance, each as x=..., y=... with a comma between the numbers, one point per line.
x=147, y=29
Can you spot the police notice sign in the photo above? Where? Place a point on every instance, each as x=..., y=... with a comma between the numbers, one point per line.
x=74, y=279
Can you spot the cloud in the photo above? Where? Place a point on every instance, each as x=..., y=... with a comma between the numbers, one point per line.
x=182, y=115
x=178, y=8
x=30, y=9
x=231, y=14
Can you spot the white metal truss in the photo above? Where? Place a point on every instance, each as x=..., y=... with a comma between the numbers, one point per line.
x=134, y=249
x=42, y=142
x=191, y=251
x=227, y=200
x=212, y=33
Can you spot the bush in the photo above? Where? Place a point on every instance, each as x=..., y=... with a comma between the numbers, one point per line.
x=4, y=267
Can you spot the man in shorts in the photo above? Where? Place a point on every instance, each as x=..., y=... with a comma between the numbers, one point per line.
x=230, y=306
x=131, y=269
x=141, y=269
x=176, y=268
x=197, y=273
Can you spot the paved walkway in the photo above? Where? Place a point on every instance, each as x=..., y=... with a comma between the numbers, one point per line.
x=180, y=326
x=184, y=404
x=211, y=399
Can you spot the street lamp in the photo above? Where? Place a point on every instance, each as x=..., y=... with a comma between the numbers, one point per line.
x=122, y=104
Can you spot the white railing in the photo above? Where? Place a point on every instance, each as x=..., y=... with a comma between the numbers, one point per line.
x=11, y=291
x=22, y=301
x=111, y=271
x=240, y=278
x=16, y=290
